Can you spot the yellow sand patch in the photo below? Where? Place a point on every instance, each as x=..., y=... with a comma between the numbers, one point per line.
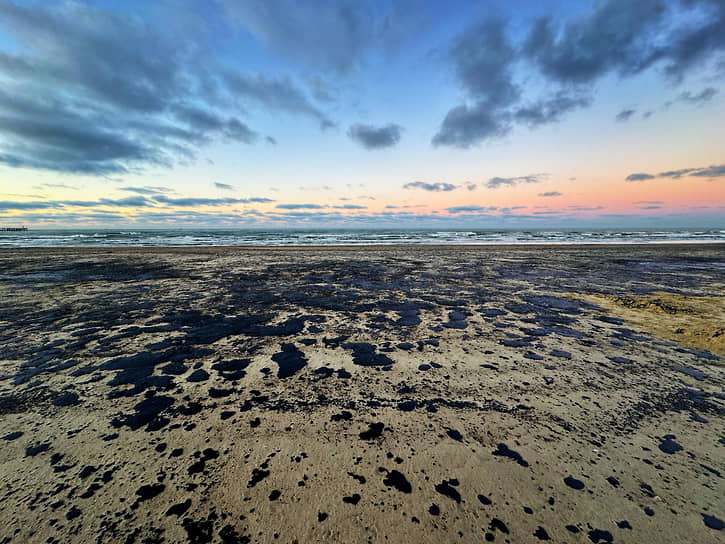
x=695, y=322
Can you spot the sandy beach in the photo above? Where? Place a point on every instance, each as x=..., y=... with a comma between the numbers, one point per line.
x=381, y=394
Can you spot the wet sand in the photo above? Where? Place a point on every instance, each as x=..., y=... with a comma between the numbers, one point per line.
x=397, y=394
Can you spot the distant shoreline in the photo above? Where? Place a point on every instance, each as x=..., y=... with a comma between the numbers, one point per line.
x=413, y=247
x=342, y=238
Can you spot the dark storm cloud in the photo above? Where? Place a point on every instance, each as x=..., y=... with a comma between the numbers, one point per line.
x=14, y=65
x=223, y=186
x=552, y=109
x=71, y=112
x=628, y=37
x=698, y=99
x=464, y=126
x=306, y=215
x=130, y=202
x=50, y=134
x=329, y=35
x=483, y=58
x=69, y=218
x=676, y=174
x=200, y=121
x=586, y=208
x=146, y=190
x=550, y=193
x=23, y=195
x=639, y=176
x=343, y=29
x=300, y=206
x=469, y=209
x=624, y=115
x=692, y=45
x=713, y=171
x=55, y=186
x=94, y=47
x=497, y=182
x=191, y=202
x=618, y=37
x=94, y=92
x=187, y=216
x=371, y=137
x=275, y=94
x=710, y=172
x=323, y=90
x=432, y=187
x=6, y=205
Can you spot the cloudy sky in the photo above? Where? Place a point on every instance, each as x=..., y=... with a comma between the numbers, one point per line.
x=278, y=113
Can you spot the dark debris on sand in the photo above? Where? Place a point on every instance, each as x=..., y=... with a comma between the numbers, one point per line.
x=235, y=396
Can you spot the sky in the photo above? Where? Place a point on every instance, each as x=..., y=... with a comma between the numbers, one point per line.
x=354, y=114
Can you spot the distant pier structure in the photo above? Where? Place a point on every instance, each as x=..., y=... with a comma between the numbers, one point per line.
x=13, y=229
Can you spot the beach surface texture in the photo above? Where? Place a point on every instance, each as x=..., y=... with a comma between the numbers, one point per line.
x=380, y=394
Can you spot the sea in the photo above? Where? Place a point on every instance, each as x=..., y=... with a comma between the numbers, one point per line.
x=332, y=237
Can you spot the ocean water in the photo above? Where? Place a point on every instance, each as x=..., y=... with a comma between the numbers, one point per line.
x=186, y=237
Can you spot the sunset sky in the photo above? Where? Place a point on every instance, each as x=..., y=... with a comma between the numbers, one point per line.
x=273, y=113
